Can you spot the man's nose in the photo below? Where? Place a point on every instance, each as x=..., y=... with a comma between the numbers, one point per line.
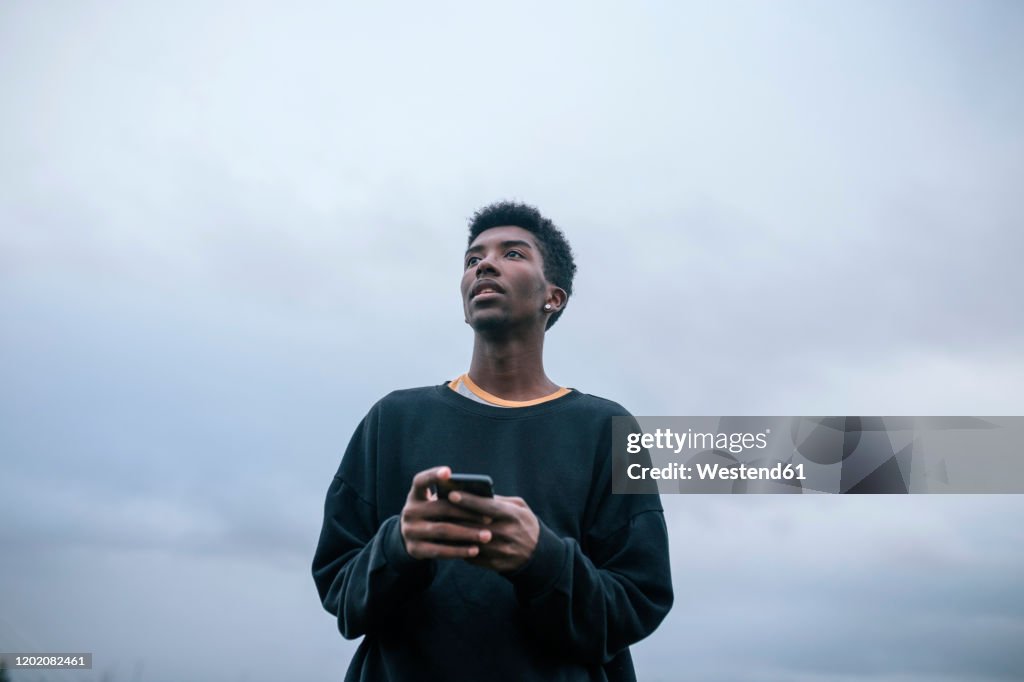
x=486, y=266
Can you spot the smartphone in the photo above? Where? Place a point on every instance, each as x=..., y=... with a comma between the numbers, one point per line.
x=476, y=484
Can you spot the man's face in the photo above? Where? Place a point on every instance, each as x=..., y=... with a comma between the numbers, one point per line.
x=503, y=283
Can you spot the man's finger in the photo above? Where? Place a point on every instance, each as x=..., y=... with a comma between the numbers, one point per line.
x=442, y=510
x=422, y=481
x=428, y=550
x=485, y=506
x=440, y=532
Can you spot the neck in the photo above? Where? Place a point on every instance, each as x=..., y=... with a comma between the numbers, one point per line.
x=512, y=369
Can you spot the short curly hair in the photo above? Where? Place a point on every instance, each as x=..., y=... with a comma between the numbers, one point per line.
x=559, y=264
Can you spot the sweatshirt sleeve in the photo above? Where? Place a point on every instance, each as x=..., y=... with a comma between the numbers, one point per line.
x=592, y=605
x=361, y=568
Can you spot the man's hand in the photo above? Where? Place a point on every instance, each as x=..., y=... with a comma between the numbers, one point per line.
x=436, y=529
x=514, y=528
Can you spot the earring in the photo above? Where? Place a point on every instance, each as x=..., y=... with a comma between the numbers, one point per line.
x=547, y=306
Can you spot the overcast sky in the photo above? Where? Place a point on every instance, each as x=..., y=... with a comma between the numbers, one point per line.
x=226, y=229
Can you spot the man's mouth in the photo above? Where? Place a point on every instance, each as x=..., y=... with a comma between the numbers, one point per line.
x=485, y=291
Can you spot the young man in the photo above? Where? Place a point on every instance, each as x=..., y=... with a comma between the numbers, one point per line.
x=551, y=579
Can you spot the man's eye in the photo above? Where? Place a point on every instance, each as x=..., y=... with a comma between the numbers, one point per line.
x=471, y=261
x=514, y=253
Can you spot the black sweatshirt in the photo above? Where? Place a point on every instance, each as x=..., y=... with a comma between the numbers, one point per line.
x=598, y=580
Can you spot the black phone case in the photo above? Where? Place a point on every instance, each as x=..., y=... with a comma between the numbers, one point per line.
x=476, y=484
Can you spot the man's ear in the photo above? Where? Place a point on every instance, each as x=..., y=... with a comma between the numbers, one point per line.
x=557, y=298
